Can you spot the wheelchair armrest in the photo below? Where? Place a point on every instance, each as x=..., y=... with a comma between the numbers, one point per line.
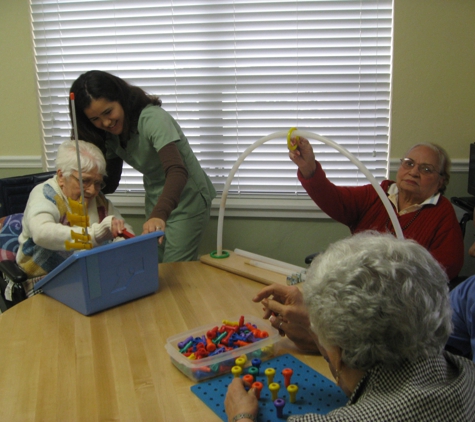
x=13, y=271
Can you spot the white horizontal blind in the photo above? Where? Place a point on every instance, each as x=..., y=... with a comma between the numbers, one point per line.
x=232, y=72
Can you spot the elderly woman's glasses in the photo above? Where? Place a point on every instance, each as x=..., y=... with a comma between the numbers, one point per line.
x=426, y=169
x=98, y=184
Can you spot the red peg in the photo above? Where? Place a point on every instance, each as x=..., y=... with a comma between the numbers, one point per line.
x=201, y=353
x=248, y=379
x=287, y=373
x=126, y=234
x=258, y=388
x=210, y=346
x=212, y=333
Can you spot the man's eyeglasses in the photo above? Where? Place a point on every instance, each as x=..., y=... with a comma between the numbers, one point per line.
x=98, y=184
x=425, y=169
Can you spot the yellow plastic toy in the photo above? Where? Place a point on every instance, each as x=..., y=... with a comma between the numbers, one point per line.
x=290, y=144
x=77, y=218
x=292, y=389
x=274, y=389
x=78, y=215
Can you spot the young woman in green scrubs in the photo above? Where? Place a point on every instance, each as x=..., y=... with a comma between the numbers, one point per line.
x=130, y=125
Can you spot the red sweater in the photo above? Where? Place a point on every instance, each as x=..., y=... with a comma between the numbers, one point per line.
x=360, y=208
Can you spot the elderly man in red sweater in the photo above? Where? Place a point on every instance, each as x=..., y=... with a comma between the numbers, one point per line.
x=424, y=214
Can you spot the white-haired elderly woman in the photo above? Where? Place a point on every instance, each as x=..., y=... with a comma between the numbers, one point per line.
x=45, y=223
x=378, y=309
x=417, y=196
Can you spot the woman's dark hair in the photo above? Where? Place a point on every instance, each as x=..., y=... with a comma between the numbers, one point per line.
x=97, y=84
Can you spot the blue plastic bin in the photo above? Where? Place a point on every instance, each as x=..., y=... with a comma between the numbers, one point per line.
x=93, y=280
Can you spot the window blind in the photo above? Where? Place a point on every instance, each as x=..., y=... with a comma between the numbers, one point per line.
x=232, y=72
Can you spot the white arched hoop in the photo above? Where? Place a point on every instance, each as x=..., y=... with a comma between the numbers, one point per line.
x=309, y=135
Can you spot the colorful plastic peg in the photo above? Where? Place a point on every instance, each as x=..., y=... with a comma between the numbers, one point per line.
x=269, y=372
x=258, y=388
x=292, y=390
x=257, y=363
x=212, y=333
x=210, y=346
x=252, y=370
x=287, y=373
x=187, y=345
x=236, y=371
x=183, y=343
x=230, y=323
x=274, y=389
x=279, y=407
x=248, y=379
x=240, y=361
x=218, y=339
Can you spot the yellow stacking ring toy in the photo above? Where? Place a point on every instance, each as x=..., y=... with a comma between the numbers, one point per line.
x=290, y=145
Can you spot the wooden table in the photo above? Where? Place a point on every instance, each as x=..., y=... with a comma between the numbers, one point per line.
x=59, y=365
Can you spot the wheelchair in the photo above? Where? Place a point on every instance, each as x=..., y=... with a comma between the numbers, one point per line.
x=14, y=194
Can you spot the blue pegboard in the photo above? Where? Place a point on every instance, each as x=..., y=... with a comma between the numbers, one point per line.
x=316, y=393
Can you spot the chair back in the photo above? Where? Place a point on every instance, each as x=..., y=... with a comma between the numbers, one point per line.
x=14, y=191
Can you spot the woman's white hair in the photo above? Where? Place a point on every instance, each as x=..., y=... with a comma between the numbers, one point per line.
x=91, y=158
x=380, y=299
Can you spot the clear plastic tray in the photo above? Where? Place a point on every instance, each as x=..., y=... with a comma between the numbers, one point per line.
x=202, y=369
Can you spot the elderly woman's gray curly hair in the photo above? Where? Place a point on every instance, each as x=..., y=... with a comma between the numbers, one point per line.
x=380, y=299
x=91, y=158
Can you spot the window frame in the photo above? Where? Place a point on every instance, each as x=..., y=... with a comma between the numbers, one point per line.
x=259, y=204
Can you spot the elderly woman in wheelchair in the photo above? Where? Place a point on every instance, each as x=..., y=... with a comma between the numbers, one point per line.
x=38, y=239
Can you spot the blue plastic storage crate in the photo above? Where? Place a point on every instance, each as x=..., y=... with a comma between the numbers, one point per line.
x=93, y=280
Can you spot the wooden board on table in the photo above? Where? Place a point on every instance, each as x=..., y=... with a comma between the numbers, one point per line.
x=237, y=264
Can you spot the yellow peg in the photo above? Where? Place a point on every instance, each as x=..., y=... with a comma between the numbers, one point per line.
x=292, y=390
x=76, y=206
x=78, y=220
x=78, y=217
x=77, y=245
x=240, y=361
x=269, y=372
x=81, y=237
x=80, y=241
x=230, y=323
x=268, y=350
x=274, y=389
x=236, y=371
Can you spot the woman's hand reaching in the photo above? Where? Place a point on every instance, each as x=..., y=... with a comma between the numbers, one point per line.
x=286, y=311
x=304, y=157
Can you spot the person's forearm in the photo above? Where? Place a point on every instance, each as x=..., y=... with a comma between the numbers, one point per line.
x=176, y=176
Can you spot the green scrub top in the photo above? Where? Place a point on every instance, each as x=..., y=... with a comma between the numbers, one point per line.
x=156, y=128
